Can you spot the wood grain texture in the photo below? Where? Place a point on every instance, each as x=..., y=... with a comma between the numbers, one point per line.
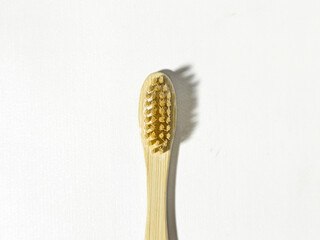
x=157, y=166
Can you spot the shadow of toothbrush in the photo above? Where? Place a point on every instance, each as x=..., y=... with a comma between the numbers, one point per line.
x=186, y=88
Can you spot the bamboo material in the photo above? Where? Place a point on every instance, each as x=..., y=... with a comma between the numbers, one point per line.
x=157, y=154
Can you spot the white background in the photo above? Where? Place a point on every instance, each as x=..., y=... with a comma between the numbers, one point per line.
x=71, y=160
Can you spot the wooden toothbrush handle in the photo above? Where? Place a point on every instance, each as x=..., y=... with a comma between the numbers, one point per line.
x=157, y=176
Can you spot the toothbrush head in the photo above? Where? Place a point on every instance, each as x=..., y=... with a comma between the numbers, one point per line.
x=157, y=101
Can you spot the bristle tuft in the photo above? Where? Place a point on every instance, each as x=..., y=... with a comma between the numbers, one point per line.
x=161, y=111
x=157, y=88
x=162, y=103
x=165, y=88
x=154, y=81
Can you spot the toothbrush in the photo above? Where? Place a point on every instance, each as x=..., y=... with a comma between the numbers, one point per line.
x=157, y=120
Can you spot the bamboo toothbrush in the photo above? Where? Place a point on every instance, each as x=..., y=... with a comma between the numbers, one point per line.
x=157, y=120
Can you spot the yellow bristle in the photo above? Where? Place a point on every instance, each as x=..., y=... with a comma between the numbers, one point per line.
x=165, y=88
x=168, y=136
x=147, y=119
x=162, y=103
x=153, y=135
x=154, y=81
x=152, y=127
x=153, y=119
x=154, y=111
x=161, y=135
x=151, y=96
x=161, y=119
x=161, y=111
x=157, y=88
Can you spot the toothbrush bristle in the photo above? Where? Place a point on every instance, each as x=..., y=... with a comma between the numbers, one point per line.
x=157, y=114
